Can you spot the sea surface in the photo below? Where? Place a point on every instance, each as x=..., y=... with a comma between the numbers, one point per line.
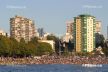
x=52, y=68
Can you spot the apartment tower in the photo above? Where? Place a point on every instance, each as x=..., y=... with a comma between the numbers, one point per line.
x=84, y=33
x=21, y=27
x=69, y=27
x=98, y=26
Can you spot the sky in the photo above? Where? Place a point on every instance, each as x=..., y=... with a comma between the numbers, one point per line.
x=53, y=14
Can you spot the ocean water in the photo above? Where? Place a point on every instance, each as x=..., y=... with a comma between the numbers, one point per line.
x=52, y=68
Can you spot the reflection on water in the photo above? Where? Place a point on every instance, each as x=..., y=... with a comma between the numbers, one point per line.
x=52, y=68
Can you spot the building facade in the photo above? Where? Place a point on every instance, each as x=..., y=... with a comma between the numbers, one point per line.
x=21, y=27
x=67, y=37
x=3, y=33
x=69, y=25
x=84, y=33
x=69, y=33
x=98, y=26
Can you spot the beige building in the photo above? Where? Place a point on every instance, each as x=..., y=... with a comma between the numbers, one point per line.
x=69, y=25
x=21, y=27
x=68, y=36
x=98, y=26
x=84, y=33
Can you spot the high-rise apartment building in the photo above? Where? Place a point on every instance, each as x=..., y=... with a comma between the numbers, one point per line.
x=98, y=26
x=84, y=33
x=21, y=27
x=68, y=36
x=69, y=27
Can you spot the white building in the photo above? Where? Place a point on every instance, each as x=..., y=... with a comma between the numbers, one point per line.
x=3, y=33
x=67, y=37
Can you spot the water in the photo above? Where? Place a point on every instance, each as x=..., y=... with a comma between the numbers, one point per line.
x=52, y=68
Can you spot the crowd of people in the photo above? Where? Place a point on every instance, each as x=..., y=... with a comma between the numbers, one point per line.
x=54, y=60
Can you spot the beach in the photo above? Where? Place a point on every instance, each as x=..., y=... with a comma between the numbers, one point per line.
x=53, y=60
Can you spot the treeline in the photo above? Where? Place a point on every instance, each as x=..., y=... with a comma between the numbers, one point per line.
x=10, y=47
x=100, y=41
x=69, y=47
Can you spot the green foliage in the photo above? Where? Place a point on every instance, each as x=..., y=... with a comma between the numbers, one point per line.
x=52, y=37
x=106, y=43
x=56, y=39
x=99, y=40
x=84, y=53
x=5, y=46
x=43, y=49
x=11, y=47
x=22, y=47
x=34, y=40
x=105, y=50
x=30, y=49
x=14, y=46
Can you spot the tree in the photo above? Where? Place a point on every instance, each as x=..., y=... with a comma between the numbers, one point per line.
x=34, y=40
x=106, y=43
x=11, y=47
x=14, y=47
x=22, y=47
x=5, y=49
x=44, y=48
x=105, y=50
x=52, y=37
x=56, y=40
x=31, y=49
x=99, y=40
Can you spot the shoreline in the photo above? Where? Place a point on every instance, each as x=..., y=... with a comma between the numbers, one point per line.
x=53, y=60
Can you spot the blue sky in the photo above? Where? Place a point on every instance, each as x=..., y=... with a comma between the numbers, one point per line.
x=53, y=14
